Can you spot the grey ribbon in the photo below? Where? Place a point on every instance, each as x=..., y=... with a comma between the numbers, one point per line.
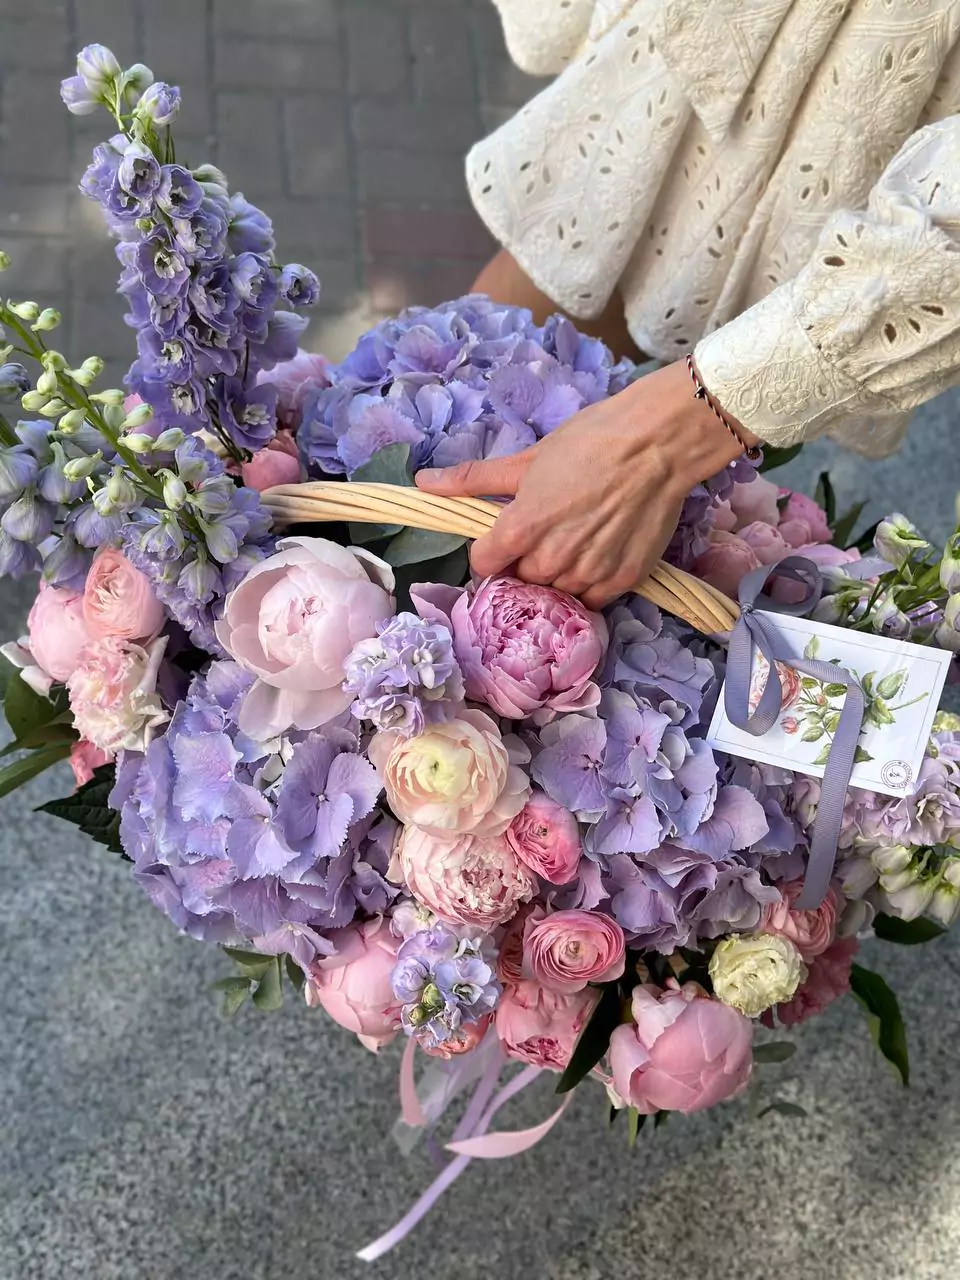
x=752, y=629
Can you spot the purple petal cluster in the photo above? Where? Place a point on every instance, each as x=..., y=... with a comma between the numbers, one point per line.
x=406, y=677
x=272, y=844
x=33, y=496
x=444, y=982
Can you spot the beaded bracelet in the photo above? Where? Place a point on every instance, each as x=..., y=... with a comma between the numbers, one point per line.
x=700, y=391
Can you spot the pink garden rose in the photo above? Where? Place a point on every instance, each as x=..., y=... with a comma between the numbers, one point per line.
x=293, y=620
x=802, y=520
x=464, y=879
x=789, y=683
x=546, y=838
x=755, y=501
x=828, y=978
x=682, y=1052
x=540, y=1026
x=764, y=541
x=295, y=380
x=113, y=694
x=811, y=932
x=725, y=562
x=524, y=650
x=85, y=758
x=569, y=949
x=57, y=631
x=354, y=985
x=454, y=778
x=118, y=600
x=278, y=463
x=462, y=1041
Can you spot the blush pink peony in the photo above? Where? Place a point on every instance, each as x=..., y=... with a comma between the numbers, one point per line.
x=725, y=562
x=546, y=838
x=57, y=631
x=524, y=650
x=118, y=600
x=542, y=1027
x=755, y=501
x=278, y=463
x=465, y=880
x=354, y=986
x=802, y=516
x=292, y=622
x=811, y=932
x=454, y=778
x=569, y=949
x=682, y=1051
x=764, y=541
x=113, y=694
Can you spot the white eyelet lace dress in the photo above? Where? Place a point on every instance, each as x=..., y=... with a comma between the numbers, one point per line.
x=774, y=183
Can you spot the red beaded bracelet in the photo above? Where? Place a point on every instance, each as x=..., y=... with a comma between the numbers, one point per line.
x=753, y=452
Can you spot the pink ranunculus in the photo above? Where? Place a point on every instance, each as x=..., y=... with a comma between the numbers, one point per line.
x=57, y=631
x=683, y=1051
x=569, y=949
x=755, y=501
x=354, y=986
x=464, y=879
x=828, y=978
x=824, y=556
x=295, y=380
x=278, y=463
x=764, y=541
x=546, y=838
x=804, y=510
x=524, y=650
x=510, y=944
x=118, y=600
x=454, y=778
x=727, y=559
x=85, y=758
x=540, y=1026
x=293, y=620
x=811, y=932
x=113, y=694
x=467, y=1038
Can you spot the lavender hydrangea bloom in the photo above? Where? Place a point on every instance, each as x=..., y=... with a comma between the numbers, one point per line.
x=405, y=678
x=443, y=982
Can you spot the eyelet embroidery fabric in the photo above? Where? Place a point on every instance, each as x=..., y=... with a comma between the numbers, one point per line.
x=715, y=215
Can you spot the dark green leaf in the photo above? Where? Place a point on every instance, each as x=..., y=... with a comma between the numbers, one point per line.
x=235, y=991
x=776, y=1051
x=451, y=570
x=884, y=1017
x=268, y=995
x=784, y=1108
x=634, y=1125
x=59, y=730
x=413, y=546
x=661, y=1117
x=21, y=771
x=87, y=809
x=825, y=496
x=361, y=534
x=860, y=756
x=892, y=684
x=835, y=690
x=6, y=671
x=294, y=973
x=774, y=457
x=387, y=466
x=808, y=682
x=26, y=709
x=255, y=962
x=908, y=933
x=612, y=1113
x=813, y=734
x=865, y=542
x=594, y=1039
x=844, y=527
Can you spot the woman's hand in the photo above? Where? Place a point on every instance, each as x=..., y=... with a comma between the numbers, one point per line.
x=597, y=501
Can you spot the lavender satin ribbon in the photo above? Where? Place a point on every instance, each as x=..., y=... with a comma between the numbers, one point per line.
x=752, y=629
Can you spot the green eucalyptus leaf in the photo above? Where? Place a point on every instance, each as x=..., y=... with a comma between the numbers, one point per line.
x=775, y=1051
x=21, y=771
x=268, y=995
x=784, y=1108
x=907, y=933
x=414, y=546
x=594, y=1039
x=362, y=534
x=883, y=1016
x=390, y=465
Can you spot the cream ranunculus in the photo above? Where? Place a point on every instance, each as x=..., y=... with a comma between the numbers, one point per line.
x=753, y=972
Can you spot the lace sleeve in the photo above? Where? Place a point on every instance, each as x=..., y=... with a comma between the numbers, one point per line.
x=544, y=35
x=870, y=327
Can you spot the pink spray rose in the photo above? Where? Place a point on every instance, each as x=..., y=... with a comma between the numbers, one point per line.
x=801, y=514
x=828, y=978
x=765, y=542
x=540, y=1026
x=464, y=879
x=524, y=650
x=85, y=758
x=113, y=694
x=454, y=778
x=546, y=838
x=354, y=985
x=118, y=600
x=278, y=463
x=295, y=380
x=811, y=932
x=755, y=501
x=569, y=949
x=725, y=562
x=682, y=1052
x=293, y=620
x=57, y=631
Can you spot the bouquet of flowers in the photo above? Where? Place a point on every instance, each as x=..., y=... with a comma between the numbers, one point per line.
x=473, y=815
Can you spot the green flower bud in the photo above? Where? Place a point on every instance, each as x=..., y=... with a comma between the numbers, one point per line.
x=80, y=377
x=121, y=491
x=28, y=311
x=430, y=997
x=93, y=365
x=34, y=400
x=138, y=442
x=137, y=416
x=80, y=468
x=53, y=360
x=137, y=78
x=48, y=319
x=170, y=439
x=72, y=422
x=4, y=260
x=54, y=408
x=174, y=490
x=114, y=416
x=48, y=383
x=418, y=1016
x=4, y=351
x=114, y=396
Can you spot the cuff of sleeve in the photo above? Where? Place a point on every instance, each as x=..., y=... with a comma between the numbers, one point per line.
x=763, y=369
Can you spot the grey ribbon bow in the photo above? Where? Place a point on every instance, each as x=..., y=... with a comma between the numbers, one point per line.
x=752, y=629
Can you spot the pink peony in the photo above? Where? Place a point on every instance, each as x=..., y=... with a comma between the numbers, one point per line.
x=85, y=758
x=682, y=1052
x=454, y=778
x=57, y=631
x=765, y=542
x=569, y=949
x=755, y=501
x=278, y=463
x=295, y=380
x=293, y=620
x=467, y=1038
x=540, y=1026
x=113, y=694
x=725, y=562
x=724, y=517
x=801, y=512
x=546, y=838
x=523, y=649
x=828, y=978
x=466, y=879
x=811, y=932
x=118, y=600
x=354, y=985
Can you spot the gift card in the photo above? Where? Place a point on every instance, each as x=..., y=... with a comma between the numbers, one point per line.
x=902, y=685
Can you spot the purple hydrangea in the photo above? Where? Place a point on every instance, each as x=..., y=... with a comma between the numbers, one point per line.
x=406, y=677
x=443, y=982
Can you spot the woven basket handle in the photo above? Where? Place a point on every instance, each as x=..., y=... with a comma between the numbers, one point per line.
x=676, y=592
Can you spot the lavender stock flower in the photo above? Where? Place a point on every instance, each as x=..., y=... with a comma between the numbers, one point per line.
x=406, y=677
x=443, y=982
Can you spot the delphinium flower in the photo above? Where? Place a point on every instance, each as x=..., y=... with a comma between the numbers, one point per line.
x=406, y=677
x=445, y=983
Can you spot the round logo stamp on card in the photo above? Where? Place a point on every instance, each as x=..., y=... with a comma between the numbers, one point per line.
x=896, y=773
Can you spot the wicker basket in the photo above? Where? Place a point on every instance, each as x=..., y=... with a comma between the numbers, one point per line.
x=676, y=592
